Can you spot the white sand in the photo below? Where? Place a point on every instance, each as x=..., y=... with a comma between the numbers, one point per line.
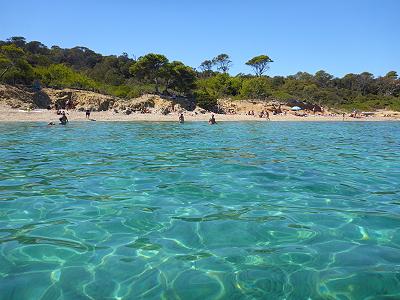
x=15, y=115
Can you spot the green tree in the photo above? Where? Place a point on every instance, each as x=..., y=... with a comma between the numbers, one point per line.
x=302, y=76
x=260, y=64
x=18, y=41
x=392, y=75
x=349, y=81
x=309, y=92
x=150, y=68
x=223, y=62
x=388, y=85
x=36, y=47
x=61, y=76
x=206, y=99
x=182, y=78
x=323, y=79
x=365, y=82
x=221, y=85
x=206, y=66
x=14, y=66
x=277, y=82
x=256, y=88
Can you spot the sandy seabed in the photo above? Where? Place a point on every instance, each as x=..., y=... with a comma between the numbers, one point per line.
x=39, y=115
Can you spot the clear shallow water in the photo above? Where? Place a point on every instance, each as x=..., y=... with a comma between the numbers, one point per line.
x=170, y=211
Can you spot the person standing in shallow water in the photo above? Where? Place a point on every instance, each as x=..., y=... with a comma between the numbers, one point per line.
x=87, y=113
x=212, y=120
x=63, y=119
x=181, y=118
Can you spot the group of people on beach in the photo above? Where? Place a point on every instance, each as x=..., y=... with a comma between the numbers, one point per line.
x=64, y=120
x=262, y=114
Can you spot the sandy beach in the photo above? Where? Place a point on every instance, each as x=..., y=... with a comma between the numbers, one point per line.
x=42, y=115
x=22, y=105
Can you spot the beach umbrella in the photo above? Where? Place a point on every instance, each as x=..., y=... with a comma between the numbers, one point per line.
x=296, y=108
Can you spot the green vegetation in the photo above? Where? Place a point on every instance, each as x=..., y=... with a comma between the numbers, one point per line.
x=61, y=76
x=24, y=63
x=156, y=69
x=260, y=64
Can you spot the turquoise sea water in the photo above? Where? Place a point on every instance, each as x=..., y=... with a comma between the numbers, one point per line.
x=169, y=211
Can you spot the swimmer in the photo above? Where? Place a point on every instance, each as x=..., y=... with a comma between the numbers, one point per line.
x=212, y=120
x=63, y=119
x=181, y=118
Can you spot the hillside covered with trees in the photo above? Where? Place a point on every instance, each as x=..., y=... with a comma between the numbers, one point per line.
x=34, y=64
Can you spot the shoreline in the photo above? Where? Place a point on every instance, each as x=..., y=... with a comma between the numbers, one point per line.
x=40, y=115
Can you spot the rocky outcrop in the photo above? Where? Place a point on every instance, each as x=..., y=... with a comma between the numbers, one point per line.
x=228, y=106
x=15, y=97
x=80, y=100
x=42, y=100
x=25, y=98
x=154, y=104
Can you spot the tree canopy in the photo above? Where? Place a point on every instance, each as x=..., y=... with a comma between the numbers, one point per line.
x=222, y=62
x=15, y=67
x=155, y=68
x=260, y=64
x=150, y=68
x=206, y=66
x=23, y=62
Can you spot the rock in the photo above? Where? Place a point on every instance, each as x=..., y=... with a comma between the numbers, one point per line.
x=21, y=97
x=41, y=99
x=79, y=99
x=199, y=110
x=16, y=97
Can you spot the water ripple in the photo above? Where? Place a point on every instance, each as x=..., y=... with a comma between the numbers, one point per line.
x=165, y=211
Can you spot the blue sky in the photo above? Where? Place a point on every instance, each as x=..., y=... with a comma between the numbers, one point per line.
x=339, y=36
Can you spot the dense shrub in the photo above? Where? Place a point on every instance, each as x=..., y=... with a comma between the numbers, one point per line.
x=206, y=100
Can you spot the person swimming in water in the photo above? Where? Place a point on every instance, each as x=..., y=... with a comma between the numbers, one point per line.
x=212, y=120
x=181, y=119
x=63, y=119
